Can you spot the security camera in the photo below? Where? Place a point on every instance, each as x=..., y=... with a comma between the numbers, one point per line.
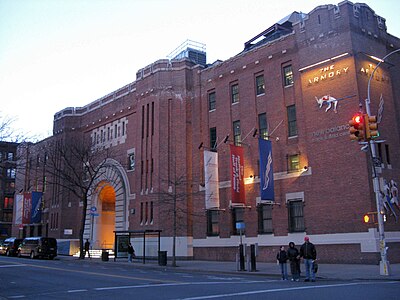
x=277, y=139
x=364, y=148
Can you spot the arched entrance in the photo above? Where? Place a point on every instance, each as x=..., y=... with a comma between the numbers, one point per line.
x=107, y=209
x=104, y=221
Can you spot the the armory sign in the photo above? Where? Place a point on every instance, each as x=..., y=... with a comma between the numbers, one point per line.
x=325, y=73
x=329, y=133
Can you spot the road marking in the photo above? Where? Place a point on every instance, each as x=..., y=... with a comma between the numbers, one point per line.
x=10, y=266
x=173, y=284
x=103, y=274
x=282, y=290
x=76, y=291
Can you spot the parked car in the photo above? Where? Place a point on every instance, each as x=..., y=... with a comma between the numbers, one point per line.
x=40, y=247
x=10, y=246
x=2, y=248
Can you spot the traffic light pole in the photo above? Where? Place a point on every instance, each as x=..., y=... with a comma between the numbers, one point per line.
x=384, y=263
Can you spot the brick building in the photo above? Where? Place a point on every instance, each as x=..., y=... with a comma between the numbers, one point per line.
x=7, y=186
x=297, y=84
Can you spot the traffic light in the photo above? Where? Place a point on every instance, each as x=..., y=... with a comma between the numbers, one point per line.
x=357, y=129
x=370, y=217
x=371, y=127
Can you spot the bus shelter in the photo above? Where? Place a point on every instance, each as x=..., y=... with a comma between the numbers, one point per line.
x=141, y=241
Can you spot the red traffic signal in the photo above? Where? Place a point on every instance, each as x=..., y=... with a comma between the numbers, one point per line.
x=357, y=128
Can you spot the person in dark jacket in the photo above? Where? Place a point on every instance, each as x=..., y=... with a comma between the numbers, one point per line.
x=282, y=261
x=293, y=256
x=87, y=249
x=131, y=252
x=309, y=254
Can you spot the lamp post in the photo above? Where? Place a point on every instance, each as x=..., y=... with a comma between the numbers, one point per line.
x=384, y=263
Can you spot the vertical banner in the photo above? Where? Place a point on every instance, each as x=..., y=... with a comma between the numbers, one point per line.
x=211, y=179
x=237, y=174
x=27, y=208
x=266, y=170
x=36, y=213
x=19, y=206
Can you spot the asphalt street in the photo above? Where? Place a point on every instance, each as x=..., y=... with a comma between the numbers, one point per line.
x=76, y=279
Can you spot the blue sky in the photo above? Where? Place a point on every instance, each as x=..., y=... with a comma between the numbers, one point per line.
x=67, y=53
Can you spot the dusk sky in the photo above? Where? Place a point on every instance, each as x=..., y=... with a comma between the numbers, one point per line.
x=67, y=53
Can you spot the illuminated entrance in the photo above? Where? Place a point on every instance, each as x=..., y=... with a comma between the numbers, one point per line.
x=107, y=209
x=104, y=220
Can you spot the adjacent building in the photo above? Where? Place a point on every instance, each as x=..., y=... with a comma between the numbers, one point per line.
x=192, y=143
x=8, y=160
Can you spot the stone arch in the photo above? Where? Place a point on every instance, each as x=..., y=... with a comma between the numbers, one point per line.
x=114, y=179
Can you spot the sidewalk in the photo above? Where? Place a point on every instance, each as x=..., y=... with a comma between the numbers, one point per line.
x=325, y=272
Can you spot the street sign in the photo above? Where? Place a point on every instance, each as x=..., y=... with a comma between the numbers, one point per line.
x=240, y=225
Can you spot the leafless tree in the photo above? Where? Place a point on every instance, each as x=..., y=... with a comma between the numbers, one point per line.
x=74, y=165
x=175, y=201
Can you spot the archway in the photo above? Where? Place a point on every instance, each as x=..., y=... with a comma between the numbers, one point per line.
x=104, y=222
x=107, y=209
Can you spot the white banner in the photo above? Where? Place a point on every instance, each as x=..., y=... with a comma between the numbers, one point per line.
x=19, y=205
x=211, y=179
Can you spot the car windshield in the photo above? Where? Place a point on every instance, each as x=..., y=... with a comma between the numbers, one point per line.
x=49, y=242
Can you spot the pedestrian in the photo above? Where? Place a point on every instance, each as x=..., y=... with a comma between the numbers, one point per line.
x=309, y=254
x=87, y=248
x=131, y=252
x=282, y=261
x=293, y=256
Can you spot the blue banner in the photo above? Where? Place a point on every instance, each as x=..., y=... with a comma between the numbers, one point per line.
x=266, y=170
x=36, y=213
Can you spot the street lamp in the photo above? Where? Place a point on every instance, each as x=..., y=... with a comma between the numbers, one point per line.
x=384, y=263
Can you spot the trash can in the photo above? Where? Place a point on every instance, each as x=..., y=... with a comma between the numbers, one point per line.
x=162, y=258
x=104, y=255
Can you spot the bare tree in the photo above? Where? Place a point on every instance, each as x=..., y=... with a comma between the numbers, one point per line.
x=175, y=201
x=6, y=132
x=74, y=166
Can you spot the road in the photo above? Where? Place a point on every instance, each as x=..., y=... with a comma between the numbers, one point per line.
x=23, y=278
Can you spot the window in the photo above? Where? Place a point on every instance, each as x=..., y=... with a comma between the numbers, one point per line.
x=8, y=202
x=293, y=163
x=288, y=75
x=151, y=212
x=260, y=86
x=213, y=138
x=11, y=173
x=131, y=161
x=235, y=93
x=236, y=133
x=211, y=101
x=143, y=122
x=265, y=218
x=296, y=215
x=387, y=154
x=262, y=125
x=212, y=222
x=237, y=217
x=141, y=212
x=292, y=122
x=10, y=156
x=152, y=118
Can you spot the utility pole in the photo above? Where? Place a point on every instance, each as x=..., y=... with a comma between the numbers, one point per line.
x=384, y=263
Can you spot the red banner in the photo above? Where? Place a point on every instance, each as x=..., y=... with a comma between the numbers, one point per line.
x=237, y=174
